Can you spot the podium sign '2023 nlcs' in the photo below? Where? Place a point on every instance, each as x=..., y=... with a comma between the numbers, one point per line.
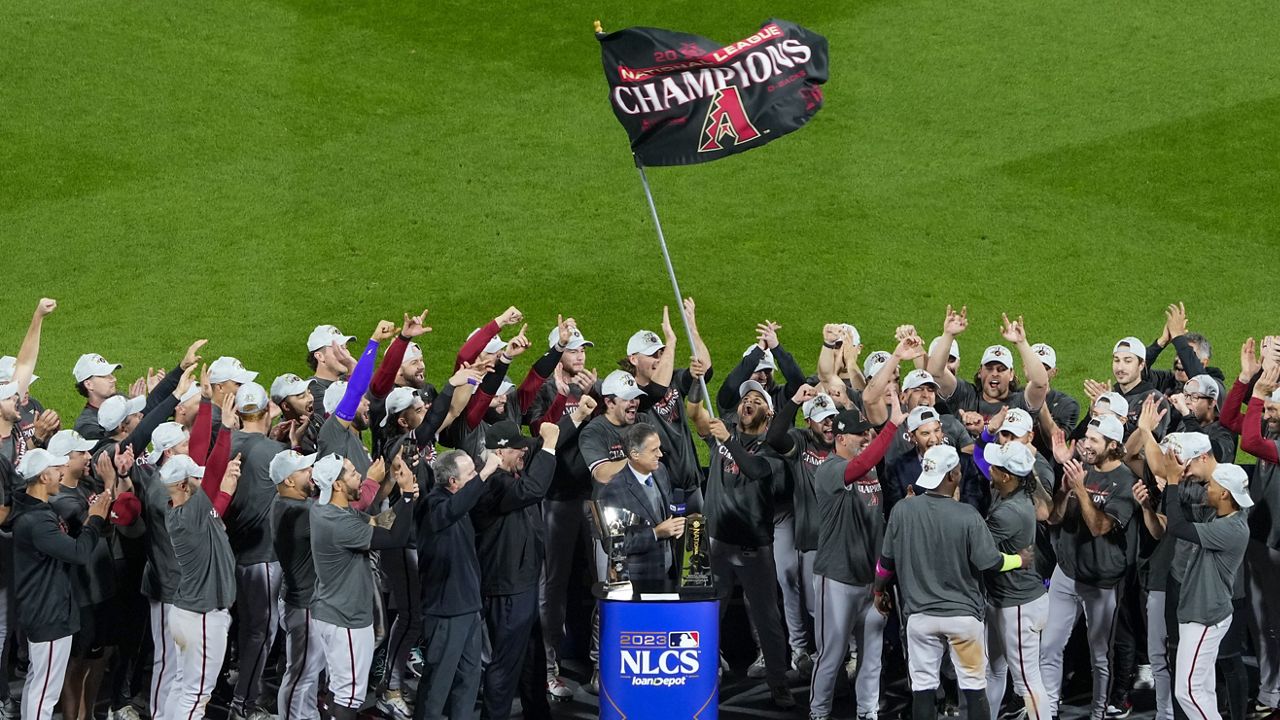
x=659, y=660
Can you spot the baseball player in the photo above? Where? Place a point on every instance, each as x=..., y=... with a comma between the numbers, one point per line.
x=938, y=550
x=291, y=514
x=1019, y=606
x=343, y=604
x=43, y=557
x=1261, y=438
x=851, y=511
x=1093, y=509
x=198, y=618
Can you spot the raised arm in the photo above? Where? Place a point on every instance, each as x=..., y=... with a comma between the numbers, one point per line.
x=358, y=383
x=954, y=324
x=779, y=435
x=30, y=350
x=1037, y=377
x=474, y=345
x=384, y=379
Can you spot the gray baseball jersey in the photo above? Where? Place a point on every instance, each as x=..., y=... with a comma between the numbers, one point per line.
x=1099, y=561
x=292, y=522
x=1205, y=595
x=805, y=458
x=248, y=517
x=207, y=568
x=852, y=524
x=344, y=579
x=161, y=576
x=337, y=438
x=1012, y=522
x=940, y=548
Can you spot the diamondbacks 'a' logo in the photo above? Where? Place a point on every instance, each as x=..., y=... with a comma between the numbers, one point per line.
x=726, y=116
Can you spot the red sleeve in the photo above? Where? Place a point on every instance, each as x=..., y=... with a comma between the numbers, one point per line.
x=477, y=406
x=528, y=389
x=385, y=378
x=552, y=415
x=1231, y=418
x=221, y=502
x=201, y=433
x=368, y=490
x=862, y=464
x=474, y=344
x=1252, y=441
x=217, y=465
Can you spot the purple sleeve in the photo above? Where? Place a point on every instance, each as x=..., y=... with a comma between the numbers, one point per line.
x=358, y=383
x=979, y=459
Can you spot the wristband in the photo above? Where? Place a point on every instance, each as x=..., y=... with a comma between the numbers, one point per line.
x=504, y=358
x=831, y=346
x=1011, y=562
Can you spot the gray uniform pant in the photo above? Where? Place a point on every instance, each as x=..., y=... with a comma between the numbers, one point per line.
x=258, y=616
x=1067, y=599
x=753, y=568
x=1264, y=603
x=808, y=583
x=1157, y=654
x=566, y=521
x=304, y=661
x=403, y=589
x=786, y=563
x=451, y=668
x=844, y=610
x=1013, y=649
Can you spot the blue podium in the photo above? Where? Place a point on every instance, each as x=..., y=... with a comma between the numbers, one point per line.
x=659, y=658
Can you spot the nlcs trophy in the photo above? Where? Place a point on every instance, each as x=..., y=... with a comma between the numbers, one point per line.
x=612, y=524
x=695, y=560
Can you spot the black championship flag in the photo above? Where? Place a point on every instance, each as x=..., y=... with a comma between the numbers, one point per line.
x=685, y=99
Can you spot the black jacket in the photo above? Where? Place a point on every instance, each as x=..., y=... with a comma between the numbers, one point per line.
x=510, y=536
x=43, y=554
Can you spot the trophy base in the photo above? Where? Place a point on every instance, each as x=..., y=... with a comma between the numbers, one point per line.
x=618, y=590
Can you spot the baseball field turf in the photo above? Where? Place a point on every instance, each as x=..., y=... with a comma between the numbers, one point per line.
x=245, y=171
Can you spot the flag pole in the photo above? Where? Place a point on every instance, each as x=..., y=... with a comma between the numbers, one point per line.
x=675, y=285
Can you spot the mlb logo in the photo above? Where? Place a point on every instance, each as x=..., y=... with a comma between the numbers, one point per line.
x=686, y=639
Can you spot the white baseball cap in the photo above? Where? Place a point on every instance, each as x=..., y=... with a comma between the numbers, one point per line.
x=621, y=385
x=766, y=360
x=819, y=408
x=955, y=347
x=753, y=386
x=92, y=365
x=1017, y=422
x=918, y=378
x=576, y=341
x=874, y=362
x=288, y=385
x=228, y=368
x=116, y=408
x=1108, y=427
x=9, y=367
x=37, y=460
x=504, y=387
x=324, y=473
x=65, y=442
x=8, y=390
x=1131, y=345
x=179, y=468
x=1187, y=446
x=399, y=399
x=333, y=395
x=1014, y=457
x=494, y=346
x=997, y=354
x=1048, y=356
x=1116, y=403
x=857, y=339
x=251, y=398
x=411, y=353
x=190, y=392
x=644, y=342
x=166, y=436
x=936, y=463
x=1205, y=385
x=288, y=462
x=920, y=416
x=324, y=336
x=1234, y=480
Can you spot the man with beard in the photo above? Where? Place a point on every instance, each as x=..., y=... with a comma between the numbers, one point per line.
x=510, y=546
x=291, y=512
x=1059, y=408
x=761, y=362
x=995, y=385
x=852, y=528
x=601, y=440
x=391, y=373
x=739, y=506
x=804, y=449
x=341, y=540
x=1199, y=404
x=299, y=424
x=1093, y=508
x=919, y=389
x=328, y=358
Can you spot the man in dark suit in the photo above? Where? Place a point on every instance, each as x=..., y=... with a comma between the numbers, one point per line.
x=644, y=487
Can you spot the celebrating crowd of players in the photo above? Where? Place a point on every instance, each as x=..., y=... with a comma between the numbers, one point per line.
x=956, y=529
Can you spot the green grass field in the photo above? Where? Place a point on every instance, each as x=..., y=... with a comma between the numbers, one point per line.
x=244, y=171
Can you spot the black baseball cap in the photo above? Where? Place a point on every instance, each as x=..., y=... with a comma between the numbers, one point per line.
x=506, y=434
x=850, y=422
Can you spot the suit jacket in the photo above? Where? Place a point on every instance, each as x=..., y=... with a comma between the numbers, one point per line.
x=645, y=557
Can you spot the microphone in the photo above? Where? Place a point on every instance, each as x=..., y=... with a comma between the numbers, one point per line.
x=677, y=506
